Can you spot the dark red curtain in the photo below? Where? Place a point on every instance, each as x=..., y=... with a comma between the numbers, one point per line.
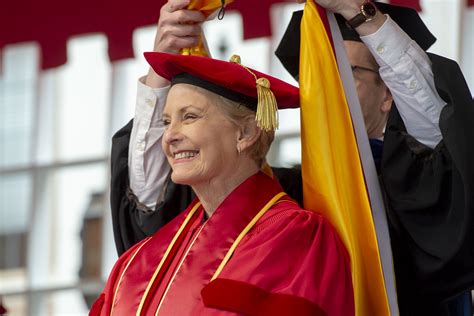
x=415, y=4
x=52, y=22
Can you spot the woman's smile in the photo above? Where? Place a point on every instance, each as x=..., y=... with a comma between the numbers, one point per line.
x=185, y=156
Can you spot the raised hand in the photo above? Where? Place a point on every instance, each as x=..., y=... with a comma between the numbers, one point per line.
x=348, y=9
x=177, y=28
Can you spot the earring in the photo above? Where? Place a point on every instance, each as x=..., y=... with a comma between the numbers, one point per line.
x=238, y=150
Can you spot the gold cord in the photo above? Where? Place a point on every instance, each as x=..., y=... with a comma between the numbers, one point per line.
x=267, y=109
x=244, y=232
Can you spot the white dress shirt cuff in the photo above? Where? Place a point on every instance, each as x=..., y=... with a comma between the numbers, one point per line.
x=148, y=167
x=406, y=70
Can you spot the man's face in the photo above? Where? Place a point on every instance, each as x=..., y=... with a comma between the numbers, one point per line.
x=375, y=98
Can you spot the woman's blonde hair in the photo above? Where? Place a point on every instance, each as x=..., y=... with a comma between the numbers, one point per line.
x=238, y=113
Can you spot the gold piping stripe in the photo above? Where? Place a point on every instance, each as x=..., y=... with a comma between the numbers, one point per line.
x=191, y=245
x=188, y=218
x=123, y=273
x=177, y=269
x=244, y=232
x=227, y=256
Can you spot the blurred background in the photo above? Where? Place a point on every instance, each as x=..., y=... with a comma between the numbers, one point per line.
x=56, y=122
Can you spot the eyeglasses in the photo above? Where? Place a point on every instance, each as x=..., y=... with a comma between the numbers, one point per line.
x=355, y=68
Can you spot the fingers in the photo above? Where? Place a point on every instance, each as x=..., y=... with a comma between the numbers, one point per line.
x=183, y=30
x=175, y=44
x=177, y=8
x=179, y=16
x=183, y=17
x=173, y=38
x=174, y=5
x=177, y=27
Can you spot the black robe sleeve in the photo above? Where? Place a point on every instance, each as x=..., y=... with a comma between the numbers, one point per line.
x=132, y=221
x=430, y=196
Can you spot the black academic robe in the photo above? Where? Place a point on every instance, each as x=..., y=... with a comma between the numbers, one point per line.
x=429, y=195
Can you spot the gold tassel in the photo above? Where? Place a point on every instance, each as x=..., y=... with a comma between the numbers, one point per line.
x=267, y=108
x=235, y=59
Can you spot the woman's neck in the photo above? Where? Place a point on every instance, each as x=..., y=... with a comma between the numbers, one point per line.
x=211, y=194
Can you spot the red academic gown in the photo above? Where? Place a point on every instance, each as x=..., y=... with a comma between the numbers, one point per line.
x=291, y=262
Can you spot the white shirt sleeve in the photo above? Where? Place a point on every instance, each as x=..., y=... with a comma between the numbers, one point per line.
x=406, y=70
x=148, y=167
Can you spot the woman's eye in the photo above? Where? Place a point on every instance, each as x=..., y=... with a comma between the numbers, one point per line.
x=190, y=116
x=166, y=122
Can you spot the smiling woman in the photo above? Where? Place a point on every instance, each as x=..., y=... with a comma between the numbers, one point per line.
x=211, y=143
x=199, y=141
x=218, y=257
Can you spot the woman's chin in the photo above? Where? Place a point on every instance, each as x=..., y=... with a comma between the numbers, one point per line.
x=179, y=178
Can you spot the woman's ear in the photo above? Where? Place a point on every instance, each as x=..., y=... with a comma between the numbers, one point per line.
x=248, y=134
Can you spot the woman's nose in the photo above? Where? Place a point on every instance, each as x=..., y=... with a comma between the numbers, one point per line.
x=172, y=134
